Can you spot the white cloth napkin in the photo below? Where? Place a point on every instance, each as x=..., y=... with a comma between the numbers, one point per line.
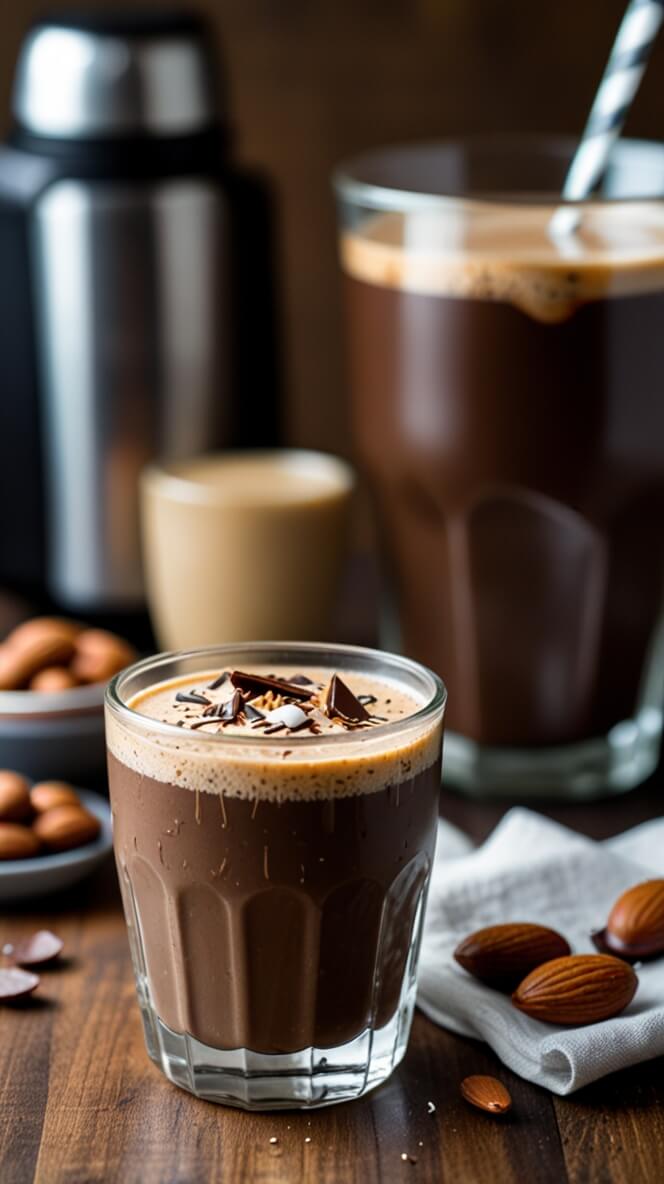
x=532, y=869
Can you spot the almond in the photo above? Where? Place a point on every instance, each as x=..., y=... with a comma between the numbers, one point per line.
x=46, y=795
x=487, y=1093
x=99, y=655
x=579, y=989
x=38, y=628
x=66, y=827
x=14, y=797
x=636, y=922
x=53, y=678
x=17, y=842
x=502, y=955
x=19, y=663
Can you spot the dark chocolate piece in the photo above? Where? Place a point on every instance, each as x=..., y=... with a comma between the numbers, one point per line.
x=274, y=728
x=301, y=680
x=229, y=711
x=219, y=682
x=36, y=950
x=341, y=701
x=366, y=700
x=259, y=684
x=252, y=713
x=192, y=697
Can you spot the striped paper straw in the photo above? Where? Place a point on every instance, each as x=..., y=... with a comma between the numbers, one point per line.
x=620, y=82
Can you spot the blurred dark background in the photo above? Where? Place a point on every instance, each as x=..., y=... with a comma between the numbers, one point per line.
x=311, y=83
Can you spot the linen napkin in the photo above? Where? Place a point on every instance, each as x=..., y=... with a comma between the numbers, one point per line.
x=532, y=869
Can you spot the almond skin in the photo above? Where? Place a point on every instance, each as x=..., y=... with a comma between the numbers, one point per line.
x=99, y=655
x=579, y=989
x=502, y=955
x=17, y=842
x=66, y=827
x=636, y=921
x=52, y=679
x=46, y=795
x=14, y=797
x=39, y=628
x=487, y=1093
x=19, y=663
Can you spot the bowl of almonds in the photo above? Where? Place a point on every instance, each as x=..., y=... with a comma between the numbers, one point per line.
x=51, y=835
x=53, y=672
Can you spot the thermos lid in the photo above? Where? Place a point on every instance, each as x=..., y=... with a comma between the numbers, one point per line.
x=111, y=73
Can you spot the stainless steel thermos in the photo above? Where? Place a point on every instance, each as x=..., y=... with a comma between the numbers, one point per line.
x=135, y=305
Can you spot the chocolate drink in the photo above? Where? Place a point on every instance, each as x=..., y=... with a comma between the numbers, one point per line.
x=275, y=895
x=508, y=411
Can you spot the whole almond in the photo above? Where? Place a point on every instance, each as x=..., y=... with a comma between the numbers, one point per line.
x=14, y=797
x=579, y=989
x=38, y=628
x=636, y=921
x=66, y=827
x=487, y=1093
x=17, y=842
x=99, y=655
x=18, y=664
x=53, y=678
x=502, y=955
x=46, y=795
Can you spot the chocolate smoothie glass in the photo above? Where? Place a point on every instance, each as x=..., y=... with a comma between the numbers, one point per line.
x=507, y=393
x=275, y=810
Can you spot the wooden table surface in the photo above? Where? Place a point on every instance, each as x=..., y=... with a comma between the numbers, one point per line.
x=81, y=1102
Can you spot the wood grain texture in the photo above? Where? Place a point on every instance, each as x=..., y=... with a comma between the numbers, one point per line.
x=80, y=1103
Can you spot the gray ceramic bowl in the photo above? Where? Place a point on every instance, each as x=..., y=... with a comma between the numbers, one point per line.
x=45, y=874
x=54, y=736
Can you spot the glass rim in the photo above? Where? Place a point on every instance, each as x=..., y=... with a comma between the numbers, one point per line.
x=184, y=488
x=120, y=709
x=374, y=195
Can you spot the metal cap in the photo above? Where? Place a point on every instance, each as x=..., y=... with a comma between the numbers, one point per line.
x=96, y=75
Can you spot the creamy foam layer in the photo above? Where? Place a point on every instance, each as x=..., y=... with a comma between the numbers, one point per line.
x=507, y=253
x=233, y=761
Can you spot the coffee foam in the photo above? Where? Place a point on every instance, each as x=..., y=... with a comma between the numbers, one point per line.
x=507, y=254
x=290, y=769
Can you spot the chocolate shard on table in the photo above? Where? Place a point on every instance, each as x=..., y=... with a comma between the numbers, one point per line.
x=341, y=701
x=36, y=950
x=192, y=697
x=260, y=684
x=16, y=984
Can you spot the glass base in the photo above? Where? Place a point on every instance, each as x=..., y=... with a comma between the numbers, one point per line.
x=592, y=769
x=258, y=1081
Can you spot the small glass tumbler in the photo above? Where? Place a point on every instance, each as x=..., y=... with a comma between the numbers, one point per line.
x=274, y=888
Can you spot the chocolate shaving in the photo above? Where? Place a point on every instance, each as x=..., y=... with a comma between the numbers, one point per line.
x=301, y=680
x=229, y=711
x=341, y=701
x=275, y=728
x=259, y=684
x=219, y=682
x=192, y=697
x=366, y=700
x=252, y=713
